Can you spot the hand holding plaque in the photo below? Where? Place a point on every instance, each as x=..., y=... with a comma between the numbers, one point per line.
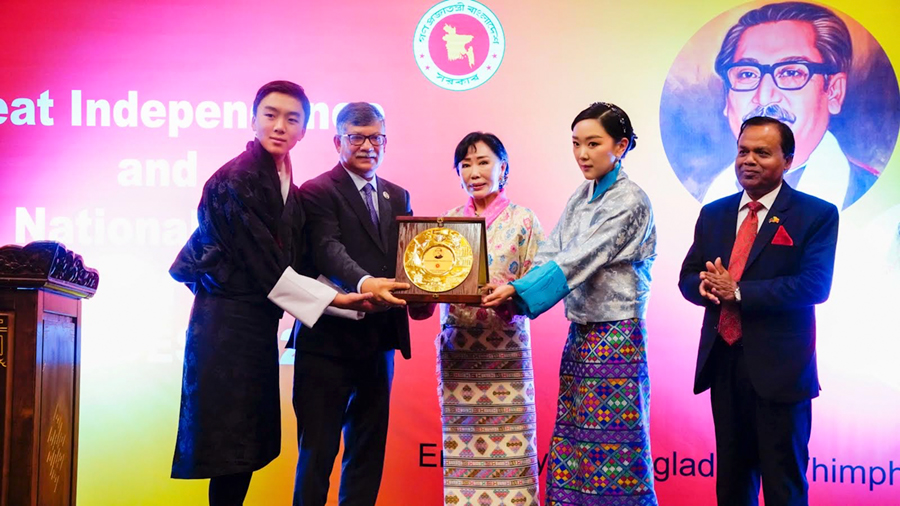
x=443, y=259
x=381, y=290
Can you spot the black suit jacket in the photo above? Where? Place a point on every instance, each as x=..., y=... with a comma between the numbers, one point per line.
x=780, y=287
x=344, y=245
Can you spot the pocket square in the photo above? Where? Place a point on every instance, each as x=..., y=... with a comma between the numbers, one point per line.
x=782, y=238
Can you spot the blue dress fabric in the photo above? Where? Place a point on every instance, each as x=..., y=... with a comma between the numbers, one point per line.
x=598, y=259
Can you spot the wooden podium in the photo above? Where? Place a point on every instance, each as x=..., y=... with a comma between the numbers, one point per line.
x=41, y=287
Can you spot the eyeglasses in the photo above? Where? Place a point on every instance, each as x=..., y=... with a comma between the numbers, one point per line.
x=790, y=75
x=359, y=140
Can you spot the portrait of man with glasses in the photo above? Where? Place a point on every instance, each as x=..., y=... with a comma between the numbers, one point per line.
x=791, y=62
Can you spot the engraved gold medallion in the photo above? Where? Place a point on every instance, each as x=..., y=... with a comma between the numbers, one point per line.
x=438, y=259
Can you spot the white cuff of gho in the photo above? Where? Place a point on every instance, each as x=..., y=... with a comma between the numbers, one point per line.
x=304, y=298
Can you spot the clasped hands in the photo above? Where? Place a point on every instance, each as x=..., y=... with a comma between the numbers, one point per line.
x=716, y=283
x=375, y=295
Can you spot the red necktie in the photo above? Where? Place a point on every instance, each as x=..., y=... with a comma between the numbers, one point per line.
x=730, y=318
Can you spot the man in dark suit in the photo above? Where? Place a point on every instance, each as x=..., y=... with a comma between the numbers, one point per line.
x=758, y=340
x=343, y=368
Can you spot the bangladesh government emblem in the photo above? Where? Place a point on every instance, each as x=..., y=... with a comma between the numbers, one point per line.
x=459, y=44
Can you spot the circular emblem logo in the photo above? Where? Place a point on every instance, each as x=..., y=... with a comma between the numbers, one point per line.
x=459, y=44
x=438, y=259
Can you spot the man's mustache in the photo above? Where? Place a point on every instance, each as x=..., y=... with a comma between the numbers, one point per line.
x=774, y=111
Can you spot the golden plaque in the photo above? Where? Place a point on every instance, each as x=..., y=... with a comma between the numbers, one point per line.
x=438, y=259
x=443, y=259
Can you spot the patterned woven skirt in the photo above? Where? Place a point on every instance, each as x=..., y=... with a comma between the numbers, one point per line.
x=488, y=416
x=600, y=449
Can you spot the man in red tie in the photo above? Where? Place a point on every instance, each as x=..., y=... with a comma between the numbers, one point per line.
x=760, y=262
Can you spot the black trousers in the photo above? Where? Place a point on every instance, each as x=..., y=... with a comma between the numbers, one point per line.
x=756, y=438
x=335, y=395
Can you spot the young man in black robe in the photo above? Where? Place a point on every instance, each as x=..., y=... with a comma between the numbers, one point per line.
x=241, y=263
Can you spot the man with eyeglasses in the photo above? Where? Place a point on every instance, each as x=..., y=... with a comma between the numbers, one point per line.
x=344, y=368
x=789, y=61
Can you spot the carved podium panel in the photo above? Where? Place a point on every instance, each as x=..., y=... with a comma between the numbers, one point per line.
x=41, y=287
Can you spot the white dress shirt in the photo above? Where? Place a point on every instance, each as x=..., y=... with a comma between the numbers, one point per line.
x=766, y=200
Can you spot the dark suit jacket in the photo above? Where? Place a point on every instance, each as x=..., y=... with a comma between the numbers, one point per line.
x=344, y=245
x=780, y=287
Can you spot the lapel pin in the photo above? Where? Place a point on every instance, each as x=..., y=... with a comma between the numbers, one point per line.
x=386, y=195
x=774, y=219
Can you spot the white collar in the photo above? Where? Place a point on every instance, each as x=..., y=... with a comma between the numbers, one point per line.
x=827, y=172
x=360, y=181
x=766, y=200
